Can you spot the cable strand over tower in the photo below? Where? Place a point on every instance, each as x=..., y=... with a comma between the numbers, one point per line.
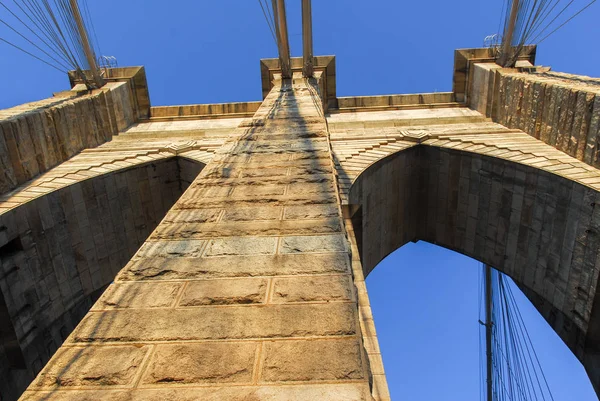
x=532, y=22
x=277, y=23
x=55, y=32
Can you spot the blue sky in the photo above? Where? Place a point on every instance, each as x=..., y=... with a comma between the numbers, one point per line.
x=197, y=51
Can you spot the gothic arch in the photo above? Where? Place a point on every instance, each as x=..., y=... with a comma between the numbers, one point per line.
x=60, y=250
x=540, y=228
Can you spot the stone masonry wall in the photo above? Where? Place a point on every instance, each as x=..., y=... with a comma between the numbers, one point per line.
x=38, y=136
x=244, y=291
x=562, y=110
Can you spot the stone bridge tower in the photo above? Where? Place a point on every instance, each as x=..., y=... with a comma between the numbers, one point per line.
x=218, y=252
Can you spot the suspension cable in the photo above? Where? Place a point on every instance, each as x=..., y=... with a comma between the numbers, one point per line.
x=32, y=55
x=529, y=21
x=517, y=371
x=268, y=18
x=56, y=32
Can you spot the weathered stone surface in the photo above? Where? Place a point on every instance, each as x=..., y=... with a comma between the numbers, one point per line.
x=310, y=212
x=243, y=228
x=252, y=213
x=209, y=192
x=310, y=188
x=234, y=322
x=315, y=243
x=299, y=166
x=37, y=136
x=312, y=360
x=98, y=366
x=171, y=249
x=264, y=172
x=240, y=201
x=265, y=180
x=337, y=392
x=223, y=292
x=215, y=362
x=308, y=289
x=235, y=266
x=241, y=246
x=193, y=216
x=555, y=107
x=258, y=190
x=136, y=295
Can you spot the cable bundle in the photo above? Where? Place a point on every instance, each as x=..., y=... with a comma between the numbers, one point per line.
x=48, y=31
x=533, y=22
x=516, y=370
x=268, y=13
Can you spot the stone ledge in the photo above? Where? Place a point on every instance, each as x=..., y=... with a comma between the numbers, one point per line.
x=203, y=111
x=298, y=392
x=394, y=102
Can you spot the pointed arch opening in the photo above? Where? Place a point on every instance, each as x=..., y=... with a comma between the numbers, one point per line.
x=539, y=228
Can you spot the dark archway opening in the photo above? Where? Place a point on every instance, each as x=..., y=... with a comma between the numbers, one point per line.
x=60, y=251
x=537, y=227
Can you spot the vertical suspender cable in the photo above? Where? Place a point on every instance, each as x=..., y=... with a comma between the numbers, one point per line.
x=505, y=56
x=85, y=42
x=514, y=371
x=283, y=43
x=269, y=19
x=488, y=331
x=307, y=39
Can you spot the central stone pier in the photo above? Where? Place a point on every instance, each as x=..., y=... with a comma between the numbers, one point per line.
x=243, y=292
